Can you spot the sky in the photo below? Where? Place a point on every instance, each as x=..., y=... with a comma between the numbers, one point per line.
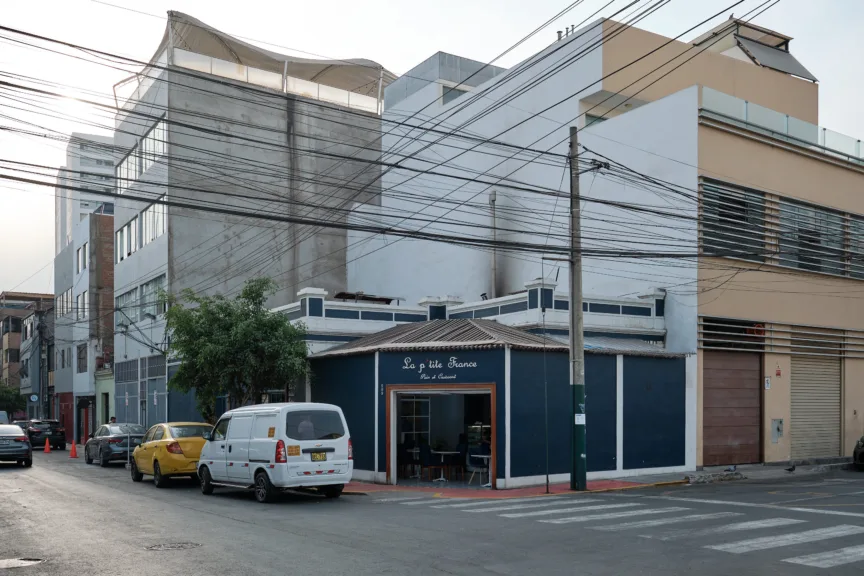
x=395, y=33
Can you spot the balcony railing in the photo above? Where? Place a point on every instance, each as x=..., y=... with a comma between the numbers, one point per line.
x=782, y=126
x=134, y=88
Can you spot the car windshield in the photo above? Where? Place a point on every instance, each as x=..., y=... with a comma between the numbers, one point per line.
x=314, y=425
x=10, y=430
x=190, y=430
x=44, y=425
x=126, y=429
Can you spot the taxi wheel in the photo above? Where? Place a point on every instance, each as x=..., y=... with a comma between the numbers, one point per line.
x=264, y=490
x=136, y=475
x=159, y=479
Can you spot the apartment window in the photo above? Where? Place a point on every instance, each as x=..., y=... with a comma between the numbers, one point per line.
x=82, y=358
x=10, y=355
x=81, y=259
x=63, y=304
x=143, y=155
x=126, y=241
x=150, y=301
x=82, y=305
x=152, y=223
x=733, y=223
x=127, y=308
x=811, y=238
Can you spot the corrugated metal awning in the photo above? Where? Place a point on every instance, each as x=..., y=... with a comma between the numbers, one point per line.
x=774, y=58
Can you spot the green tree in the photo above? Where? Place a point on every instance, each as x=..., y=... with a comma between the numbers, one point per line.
x=234, y=347
x=11, y=400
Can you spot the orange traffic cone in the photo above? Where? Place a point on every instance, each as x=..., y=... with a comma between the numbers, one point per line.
x=73, y=453
x=47, y=447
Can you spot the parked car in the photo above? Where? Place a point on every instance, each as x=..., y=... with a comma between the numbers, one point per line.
x=274, y=447
x=858, y=454
x=15, y=445
x=110, y=443
x=169, y=450
x=41, y=430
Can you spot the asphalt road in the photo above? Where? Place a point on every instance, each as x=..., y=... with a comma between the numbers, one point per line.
x=89, y=520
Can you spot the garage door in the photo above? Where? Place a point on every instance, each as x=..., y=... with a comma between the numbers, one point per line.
x=732, y=408
x=815, y=426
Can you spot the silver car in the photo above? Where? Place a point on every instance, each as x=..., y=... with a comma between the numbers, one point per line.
x=15, y=445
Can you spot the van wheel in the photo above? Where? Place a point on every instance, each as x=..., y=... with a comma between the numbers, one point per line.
x=332, y=491
x=159, y=480
x=264, y=491
x=206, y=481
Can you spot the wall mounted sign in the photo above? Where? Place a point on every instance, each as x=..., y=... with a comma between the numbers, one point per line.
x=438, y=369
x=34, y=398
x=767, y=383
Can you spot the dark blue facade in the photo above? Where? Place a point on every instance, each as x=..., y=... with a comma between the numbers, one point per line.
x=349, y=382
x=434, y=368
x=654, y=412
x=528, y=370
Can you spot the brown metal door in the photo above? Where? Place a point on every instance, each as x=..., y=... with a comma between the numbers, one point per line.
x=732, y=408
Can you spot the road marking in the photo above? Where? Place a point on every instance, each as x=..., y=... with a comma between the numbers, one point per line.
x=613, y=515
x=755, y=505
x=524, y=506
x=830, y=559
x=567, y=510
x=663, y=521
x=769, y=542
x=400, y=499
x=499, y=501
x=434, y=501
x=727, y=529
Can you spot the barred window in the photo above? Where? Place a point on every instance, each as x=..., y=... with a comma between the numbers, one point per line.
x=811, y=238
x=733, y=223
x=126, y=371
x=855, y=255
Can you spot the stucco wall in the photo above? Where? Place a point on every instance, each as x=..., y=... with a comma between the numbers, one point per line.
x=853, y=404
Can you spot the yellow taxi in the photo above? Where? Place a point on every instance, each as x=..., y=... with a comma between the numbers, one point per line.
x=167, y=450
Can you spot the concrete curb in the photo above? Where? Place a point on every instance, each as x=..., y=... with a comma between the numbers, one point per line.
x=638, y=486
x=711, y=478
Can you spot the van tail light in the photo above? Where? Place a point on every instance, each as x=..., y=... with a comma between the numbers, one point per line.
x=350, y=450
x=174, y=448
x=22, y=439
x=281, y=457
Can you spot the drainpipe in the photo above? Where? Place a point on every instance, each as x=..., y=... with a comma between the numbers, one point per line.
x=380, y=89
x=492, y=198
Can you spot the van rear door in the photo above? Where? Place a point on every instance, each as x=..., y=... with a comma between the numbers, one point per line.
x=317, y=440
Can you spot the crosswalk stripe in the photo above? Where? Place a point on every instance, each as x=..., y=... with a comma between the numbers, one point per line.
x=830, y=559
x=400, y=499
x=788, y=539
x=664, y=521
x=612, y=515
x=526, y=506
x=433, y=501
x=499, y=501
x=727, y=528
x=566, y=510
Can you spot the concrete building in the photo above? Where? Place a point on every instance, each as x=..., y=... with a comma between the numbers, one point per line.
x=37, y=361
x=720, y=188
x=83, y=280
x=14, y=306
x=216, y=121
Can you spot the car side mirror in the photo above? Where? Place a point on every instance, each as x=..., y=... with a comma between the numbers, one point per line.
x=90, y=435
x=207, y=436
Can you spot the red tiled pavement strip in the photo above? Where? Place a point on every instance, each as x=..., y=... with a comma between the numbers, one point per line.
x=443, y=492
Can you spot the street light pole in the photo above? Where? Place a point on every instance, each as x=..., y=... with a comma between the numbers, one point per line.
x=578, y=470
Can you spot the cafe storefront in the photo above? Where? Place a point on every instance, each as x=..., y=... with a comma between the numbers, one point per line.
x=475, y=397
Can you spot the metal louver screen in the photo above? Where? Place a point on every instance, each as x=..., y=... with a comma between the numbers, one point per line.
x=815, y=426
x=811, y=238
x=733, y=223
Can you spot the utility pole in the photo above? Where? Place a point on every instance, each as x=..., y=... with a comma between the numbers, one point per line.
x=578, y=470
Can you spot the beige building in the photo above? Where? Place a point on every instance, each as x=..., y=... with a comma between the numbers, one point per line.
x=780, y=212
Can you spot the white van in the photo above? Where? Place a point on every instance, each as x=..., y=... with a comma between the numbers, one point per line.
x=274, y=447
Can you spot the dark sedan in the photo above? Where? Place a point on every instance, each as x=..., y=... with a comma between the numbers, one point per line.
x=111, y=443
x=858, y=454
x=15, y=445
x=41, y=430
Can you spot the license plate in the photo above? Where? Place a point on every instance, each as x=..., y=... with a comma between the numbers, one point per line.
x=319, y=456
x=7, y=442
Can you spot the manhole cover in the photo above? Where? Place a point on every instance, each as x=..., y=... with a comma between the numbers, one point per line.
x=19, y=562
x=173, y=546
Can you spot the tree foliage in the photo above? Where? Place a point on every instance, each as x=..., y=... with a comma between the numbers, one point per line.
x=234, y=347
x=11, y=400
